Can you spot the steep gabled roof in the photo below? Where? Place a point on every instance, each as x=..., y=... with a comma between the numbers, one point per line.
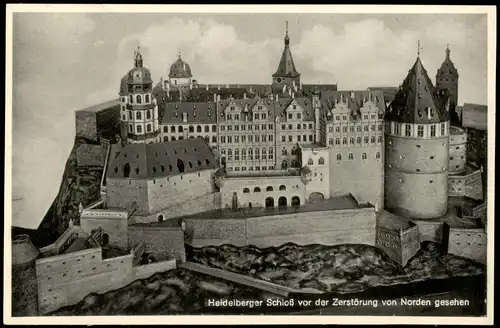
x=197, y=112
x=417, y=100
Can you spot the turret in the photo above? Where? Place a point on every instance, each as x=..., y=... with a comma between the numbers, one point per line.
x=447, y=82
x=416, y=149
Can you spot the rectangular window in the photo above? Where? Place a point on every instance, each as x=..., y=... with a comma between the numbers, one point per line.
x=433, y=130
x=236, y=128
x=236, y=139
x=256, y=116
x=408, y=130
x=397, y=129
x=330, y=141
x=283, y=138
x=270, y=138
x=222, y=139
x=290, y=138
x=243, y=138
x=420, y=131
x=230, y=128
x=243, y=127
x=270, y=127
x=263, y=116
x=380, y=127
x=337, y=118
x=299, y=116
x=443, y=129
x=298, y=138
x=310, y=126
x=365, y=140
x=257, y=138
x=257, y=127
x=310, y=138
x=230, y=139
x=290, y=116
x=283, y=126
x=263, y=127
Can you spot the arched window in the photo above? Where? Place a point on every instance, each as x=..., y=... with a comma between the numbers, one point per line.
x=321, y=161
x=351, y=156
x=372, y=139
x=126, y=170
x=131, y=99
x=294, y=151
x=214, y=139
x=207, y=138
x=339, y=157
x=179, y=129
x=207, y=129
x=351, y=140
x=148, y=114
x=363, y=156
x=283, y=151
x=191, y=128
x=198, y=128
x=284, y=165
x=138, y=99
x=256, y=189
x=138, y=115
x=337, y=141
x=148, y=127
x=310, y=162
x=130, y=128
x=358, y=140
x=173, y=138
x=214, y=128
x=269, y=188
x=146, y=99
x=180, y=165
x=344, y=141
x=139, y=129
x=377, y=155
x=246, y=190
x=282, y=188
x=165, y=129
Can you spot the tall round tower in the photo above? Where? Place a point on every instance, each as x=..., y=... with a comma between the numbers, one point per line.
x=139, y=111
x=447, y=80
x=416, y=148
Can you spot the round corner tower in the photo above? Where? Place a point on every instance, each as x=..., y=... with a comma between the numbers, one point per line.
x=139, y=111
x=416, y=149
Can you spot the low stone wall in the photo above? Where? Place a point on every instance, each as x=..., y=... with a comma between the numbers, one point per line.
x=205, y=203
x=145, y=271
x=430, y=230
x=159, y=240
x=334, y=227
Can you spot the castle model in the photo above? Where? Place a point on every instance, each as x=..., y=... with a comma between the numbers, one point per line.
x=262, y=165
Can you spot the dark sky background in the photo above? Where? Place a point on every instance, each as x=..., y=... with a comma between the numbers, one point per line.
x=63, y=62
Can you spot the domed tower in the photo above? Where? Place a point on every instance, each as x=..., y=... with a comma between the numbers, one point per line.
x=286, y=74
x=139, y=109
x=416, y=149
x=447, y=80
x=180, y=73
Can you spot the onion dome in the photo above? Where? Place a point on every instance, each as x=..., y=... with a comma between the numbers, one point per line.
x=123, y=85
x=139, y=74
x=180, y=69
x=23, y=250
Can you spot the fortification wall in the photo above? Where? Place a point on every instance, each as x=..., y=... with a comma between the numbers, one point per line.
x=178, y=189
x=159, y=240
x=292, y=185
x=351, y=176
x=430, y=230
x=24, y=290
x=457, y=150
x=410, y=244
x=469, y=243
x=66, y=279
x=324, y=227
x=86, y=125
x=416, y=177
x=466, y=185
x=115, y=228
x=390, y=242
x=122, y=192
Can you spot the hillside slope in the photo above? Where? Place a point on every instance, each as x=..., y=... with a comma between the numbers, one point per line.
x=77, y=185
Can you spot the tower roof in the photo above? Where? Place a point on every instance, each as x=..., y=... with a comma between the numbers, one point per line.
x=417, y=100
x=180, y=69
x=286, y=67
x=447, y=67
x=139, y=74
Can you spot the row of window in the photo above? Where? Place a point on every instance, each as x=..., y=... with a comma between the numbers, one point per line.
x=149, y=128
x=207, y=138
x=252, y=154
x=365, y=117
x=138, y=115
x=363, y=156
x=250, y=168
x=358, y=140
x=256, y=116
x=298, y=138
x=420, y=129
x=250, y=138
x=191, y=129
x=299, y=126
x=139, y=99
x=268, y=188
x=250, y=127
x=358, y=128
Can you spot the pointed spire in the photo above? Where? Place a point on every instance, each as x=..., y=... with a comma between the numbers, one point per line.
x=418, y=48
x=448, y=51
x=287, y=38
x=179, y=54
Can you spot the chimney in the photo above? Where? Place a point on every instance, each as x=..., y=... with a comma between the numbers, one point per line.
x=276, y=97
x=218, y=87
x=244, y=95
x=191, y=85
x=352, y=94
x=428, y=113
x=206, y=88
x=215, y=97
x=300, y=85
x=218, y=97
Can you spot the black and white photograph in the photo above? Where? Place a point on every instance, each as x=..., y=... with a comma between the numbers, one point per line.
x=300, y=163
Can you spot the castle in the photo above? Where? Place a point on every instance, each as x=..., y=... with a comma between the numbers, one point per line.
x=265, y=165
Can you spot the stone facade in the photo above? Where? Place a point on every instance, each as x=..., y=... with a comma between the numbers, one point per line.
x=458, y=150
x=113, y=222
x=159, y=240
x=469, y=243
x=466, y=184
x=332, y=227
